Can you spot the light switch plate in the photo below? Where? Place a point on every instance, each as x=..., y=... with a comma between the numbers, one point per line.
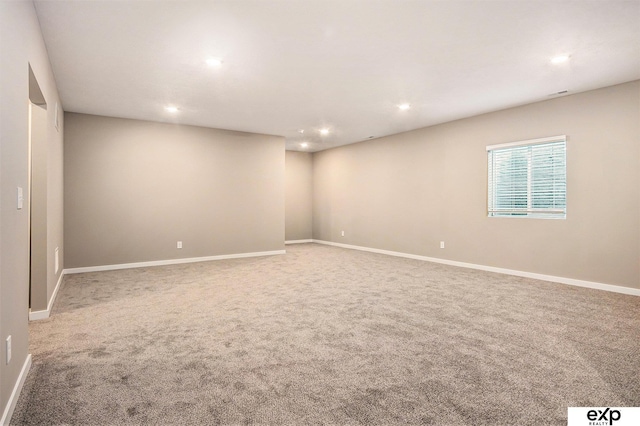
x=20, y=198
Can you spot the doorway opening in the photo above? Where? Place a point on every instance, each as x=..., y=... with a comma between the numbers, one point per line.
x=37, y=195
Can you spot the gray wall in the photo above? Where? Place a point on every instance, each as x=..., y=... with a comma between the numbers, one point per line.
x=134, y=188
x=408, y=192
x=299, y=195
x=22, y=45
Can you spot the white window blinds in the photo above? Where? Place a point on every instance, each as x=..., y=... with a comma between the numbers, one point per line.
x=528, y=178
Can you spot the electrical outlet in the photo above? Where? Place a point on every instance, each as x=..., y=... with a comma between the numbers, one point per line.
x=179, y=245
x=342, y=232
x=441, y=244
x=8, y=349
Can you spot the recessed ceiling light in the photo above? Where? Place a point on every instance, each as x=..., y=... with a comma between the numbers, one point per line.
x=214, y=62
x=171, y=109
x=301, y=131
x=559, y=59
x=404, y=107
x=304, y=144
x=324, y=132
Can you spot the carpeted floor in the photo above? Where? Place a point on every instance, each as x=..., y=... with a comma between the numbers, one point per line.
x=324, y=335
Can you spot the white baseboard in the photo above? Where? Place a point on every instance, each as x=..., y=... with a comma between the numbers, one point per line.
x=13, y=399
x=542, y=277
x=39, y=315
x=169, y=262
x=298, y=241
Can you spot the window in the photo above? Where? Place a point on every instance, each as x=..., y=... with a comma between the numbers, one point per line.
x=528, y=178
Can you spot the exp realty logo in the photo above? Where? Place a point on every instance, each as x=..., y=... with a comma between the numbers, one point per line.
x=608, y=416
x=603, y=416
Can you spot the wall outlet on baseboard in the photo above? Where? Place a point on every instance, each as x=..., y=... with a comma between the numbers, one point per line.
x=342, y=233
x=179, y=245
x=8, y=349
x=441, y=244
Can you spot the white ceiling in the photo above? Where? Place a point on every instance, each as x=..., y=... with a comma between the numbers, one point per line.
x=344, y=65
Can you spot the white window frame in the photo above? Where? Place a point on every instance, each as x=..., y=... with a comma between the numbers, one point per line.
x=529, y=212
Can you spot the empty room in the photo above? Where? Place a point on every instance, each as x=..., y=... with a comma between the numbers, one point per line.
x=291, y=212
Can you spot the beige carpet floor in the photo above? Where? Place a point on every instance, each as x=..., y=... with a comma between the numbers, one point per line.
x=324, y=335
